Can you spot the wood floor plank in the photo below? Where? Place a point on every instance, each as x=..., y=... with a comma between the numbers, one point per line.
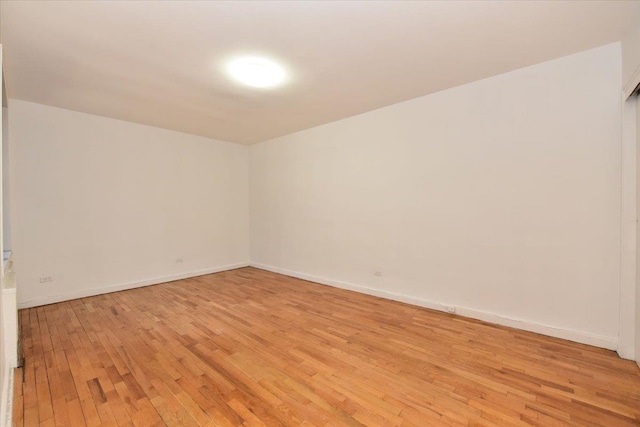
x=253, y=348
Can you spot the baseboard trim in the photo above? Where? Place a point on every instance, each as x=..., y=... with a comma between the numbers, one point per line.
x=124, y=286
x=6, y=406
x=609, y=343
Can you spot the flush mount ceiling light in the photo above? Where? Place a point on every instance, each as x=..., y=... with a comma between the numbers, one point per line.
x=257, y=72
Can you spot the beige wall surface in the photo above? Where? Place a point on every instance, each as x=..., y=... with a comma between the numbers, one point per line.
x=99, y=203
x=501, y=197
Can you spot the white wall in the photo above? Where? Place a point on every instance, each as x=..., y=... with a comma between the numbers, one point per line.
x=631, y=57
x=637, y=282
x=4, y=365
x=100, y=204
x=8, y=311
x=629, y=238
x=630, y=291
x=6, y=198
x=500, y=197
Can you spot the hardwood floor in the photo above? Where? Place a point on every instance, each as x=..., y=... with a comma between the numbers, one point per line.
x=253, y=348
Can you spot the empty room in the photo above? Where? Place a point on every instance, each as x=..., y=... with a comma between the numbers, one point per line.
x=320, y=213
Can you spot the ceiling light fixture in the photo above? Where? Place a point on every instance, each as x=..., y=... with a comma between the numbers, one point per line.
x=257, y=72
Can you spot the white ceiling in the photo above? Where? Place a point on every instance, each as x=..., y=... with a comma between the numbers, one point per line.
x=159, y=63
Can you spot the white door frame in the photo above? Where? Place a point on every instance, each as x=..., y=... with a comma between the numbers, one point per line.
x=628, y=229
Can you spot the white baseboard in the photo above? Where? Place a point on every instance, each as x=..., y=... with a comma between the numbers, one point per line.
x=6, y=406
x=124, y=286
x=610, y=343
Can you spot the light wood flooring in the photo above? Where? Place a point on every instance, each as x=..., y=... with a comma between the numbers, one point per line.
x=253, y=348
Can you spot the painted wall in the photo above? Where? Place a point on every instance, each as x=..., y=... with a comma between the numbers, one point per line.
x=4, y=365
x=637, y=282
x=100, y=204
x=6, y=197
x=629, y=237
x=631, y=57
x=8, y=311
x=499, y=198
x=630, y=291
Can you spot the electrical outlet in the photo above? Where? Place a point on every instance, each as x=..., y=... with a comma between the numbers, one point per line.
x=179, y=260
x=450, y=309
x=377, y=272
x=46, y=279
